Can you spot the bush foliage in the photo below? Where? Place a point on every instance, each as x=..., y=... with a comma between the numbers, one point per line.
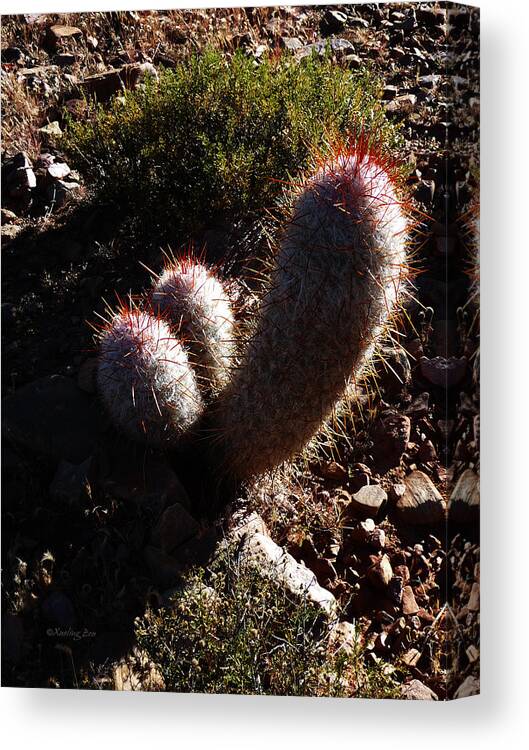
x=217, y=135
x=229, y=630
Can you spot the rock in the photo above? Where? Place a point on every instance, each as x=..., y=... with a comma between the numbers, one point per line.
x=8, y=217
x=71, y=481
x=331, y=470
x=417, y=691
x=292, y=44
x=421, y=502
x=444, y=372
x=393, y=370
x=103, y=86
x=165, y=570
x=9, y=232
x=411, y=657
x=246, y=524
x=341, y=48
x=19, y=175
x=472, y=654
x=409, y=604
x=53, y=417
x=380, y=573
x=60, y=191
x=419, y=407
x=469, y=687
x=137, y=672
x=391, y=435
x=58, y=170
x=52, y=130
x=174, y=527
x=332, y=22
x=65, y=59
x=463, y=506
x=473, y=602
x=402, y=104
x=58, y=32
x=368, y=501
x=265, y=556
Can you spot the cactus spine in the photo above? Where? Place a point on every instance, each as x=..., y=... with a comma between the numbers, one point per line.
x=145, y=379
x=335, y=282
x=196, y=304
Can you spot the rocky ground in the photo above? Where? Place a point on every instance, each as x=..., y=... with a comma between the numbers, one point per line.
x=385, y=527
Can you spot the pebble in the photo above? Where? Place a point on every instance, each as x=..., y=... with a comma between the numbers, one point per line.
x=368, y=501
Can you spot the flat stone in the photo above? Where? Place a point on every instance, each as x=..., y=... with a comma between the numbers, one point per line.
x=52, y=416
x=174, y=527
x=421, y=502
x=58, y=31
x=463, y=506
x=368, y=501
x=417, y=691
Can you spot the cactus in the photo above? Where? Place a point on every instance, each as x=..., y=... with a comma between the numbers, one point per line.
x=197, y=305
x=336, y=278
x=145, y=379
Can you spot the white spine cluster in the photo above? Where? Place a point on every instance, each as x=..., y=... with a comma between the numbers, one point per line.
x=145, y=379
x=198, y=307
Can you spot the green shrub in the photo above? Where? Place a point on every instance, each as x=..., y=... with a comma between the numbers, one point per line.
x=216, y=135
x=231, y=631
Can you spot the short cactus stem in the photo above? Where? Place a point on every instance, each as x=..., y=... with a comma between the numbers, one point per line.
x=334, y=285
x=145, y=380
x=196, y=304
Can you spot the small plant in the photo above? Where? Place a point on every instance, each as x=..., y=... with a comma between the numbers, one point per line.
x=145, y=379
x=230, y=630
x=197, y=307
x=217, y=135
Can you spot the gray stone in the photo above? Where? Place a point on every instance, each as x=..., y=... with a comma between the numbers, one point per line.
x=417, y=691
x=264, y=555
x=368, y=501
